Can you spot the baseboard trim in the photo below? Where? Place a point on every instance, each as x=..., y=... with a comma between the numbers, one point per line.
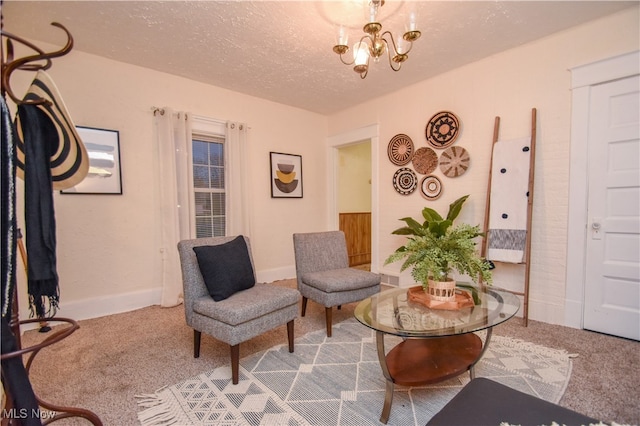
x=101, y=306
x=276, y=274
x=106, y=305
x=573, y=314
x=96, y=307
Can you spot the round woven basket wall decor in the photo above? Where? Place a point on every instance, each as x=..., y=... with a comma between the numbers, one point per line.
x=425, y=160
x=454, y=161
x=431, y=187
x=442, y=129
x=400, y=149
x=405, y=181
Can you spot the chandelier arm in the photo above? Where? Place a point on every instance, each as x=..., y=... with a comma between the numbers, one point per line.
x=368, y=38
x=409, y=48
x=393, y=42
x=347, y=63
x=362, y=39
x=391, y=64
x=395, y=52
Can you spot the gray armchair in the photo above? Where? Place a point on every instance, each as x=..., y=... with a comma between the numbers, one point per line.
x=239, y=317
x=324, y=275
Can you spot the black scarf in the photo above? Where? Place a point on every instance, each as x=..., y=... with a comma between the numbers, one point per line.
x=9, y=225
x=14, y=374
x=40, y=142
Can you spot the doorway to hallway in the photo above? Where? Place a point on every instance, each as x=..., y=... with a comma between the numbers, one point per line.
x=334, y=144
x=354, y=200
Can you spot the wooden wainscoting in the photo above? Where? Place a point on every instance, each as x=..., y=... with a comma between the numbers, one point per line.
x=357, y=230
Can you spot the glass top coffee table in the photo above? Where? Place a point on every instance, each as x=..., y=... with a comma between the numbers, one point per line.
x=437, y=344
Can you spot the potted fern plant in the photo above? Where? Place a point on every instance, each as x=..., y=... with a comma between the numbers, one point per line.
x=437, y=247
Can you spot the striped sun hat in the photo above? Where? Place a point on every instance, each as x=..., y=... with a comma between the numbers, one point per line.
x=69, y=162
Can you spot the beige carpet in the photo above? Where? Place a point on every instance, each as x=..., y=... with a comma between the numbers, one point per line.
x=109, y=360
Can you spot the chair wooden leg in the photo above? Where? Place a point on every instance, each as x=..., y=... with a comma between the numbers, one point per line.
x=290, y=335
x=235, y=363
x=304, y=305
x=328, y=313
x=196, y=343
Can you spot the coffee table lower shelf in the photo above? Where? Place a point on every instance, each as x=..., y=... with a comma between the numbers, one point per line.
x=416, y=362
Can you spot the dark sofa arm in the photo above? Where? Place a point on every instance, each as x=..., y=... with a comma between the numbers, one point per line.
x=485, y=402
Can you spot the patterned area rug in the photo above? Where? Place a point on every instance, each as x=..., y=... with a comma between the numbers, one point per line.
x=338, y=381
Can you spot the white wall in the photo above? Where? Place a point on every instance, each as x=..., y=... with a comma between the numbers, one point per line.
x=506, y=85
x=108, y=257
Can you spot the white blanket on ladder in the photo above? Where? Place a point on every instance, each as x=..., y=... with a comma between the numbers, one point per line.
x=508, y=200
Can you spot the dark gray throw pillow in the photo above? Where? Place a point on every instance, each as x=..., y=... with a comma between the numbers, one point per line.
x=226, y=268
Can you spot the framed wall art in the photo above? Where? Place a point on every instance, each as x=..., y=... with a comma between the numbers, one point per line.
x=103, y=149
x=286, y=175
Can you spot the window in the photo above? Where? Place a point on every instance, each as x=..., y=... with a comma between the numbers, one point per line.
x=209, y=185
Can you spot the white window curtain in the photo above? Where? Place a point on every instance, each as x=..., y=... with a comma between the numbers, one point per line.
x=237, y=176
x=173, y=132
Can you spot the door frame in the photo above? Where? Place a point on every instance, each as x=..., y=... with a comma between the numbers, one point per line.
x=583, y=77
x=350, y=137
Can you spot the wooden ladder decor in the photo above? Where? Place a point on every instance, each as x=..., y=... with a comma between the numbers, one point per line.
x=487, y=242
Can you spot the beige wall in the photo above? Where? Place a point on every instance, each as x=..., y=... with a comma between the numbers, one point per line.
x=107, y=245
x=354, y=178
x=506, y=85
x=108, y=258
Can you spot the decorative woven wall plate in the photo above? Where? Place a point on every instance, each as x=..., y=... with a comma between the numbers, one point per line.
x=454, y=161
x=400, y=149
x=425, y=160
x=405, y=181
x=442, y=129
x=431, y=187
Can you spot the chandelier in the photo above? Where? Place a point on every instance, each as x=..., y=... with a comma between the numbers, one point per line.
x=375, y=43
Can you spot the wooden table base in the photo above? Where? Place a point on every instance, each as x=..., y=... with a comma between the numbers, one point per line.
x=415, y=362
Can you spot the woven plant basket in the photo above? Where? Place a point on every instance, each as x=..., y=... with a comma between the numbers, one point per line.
x=444, y=291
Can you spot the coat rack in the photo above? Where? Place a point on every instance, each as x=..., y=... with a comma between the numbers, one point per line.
x=496, y=187
x=39, y=61
x=26, y=64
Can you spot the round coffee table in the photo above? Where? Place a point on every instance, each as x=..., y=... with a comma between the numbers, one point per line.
x=437, y=344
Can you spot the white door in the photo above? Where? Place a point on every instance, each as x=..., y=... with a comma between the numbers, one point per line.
x=612, y=283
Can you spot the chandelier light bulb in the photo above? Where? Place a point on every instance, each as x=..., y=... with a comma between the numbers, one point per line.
x=402, y=45
x=412, y=26
x=372, y=14
x=342, y=38
x=371, y=10
x=411, y=33
x=361, y=53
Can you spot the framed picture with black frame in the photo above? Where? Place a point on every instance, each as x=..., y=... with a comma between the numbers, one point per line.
x=286, y=175
x=103, y=149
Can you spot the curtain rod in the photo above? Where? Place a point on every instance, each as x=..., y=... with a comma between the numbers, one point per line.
x=158, y=110
x=161, y=111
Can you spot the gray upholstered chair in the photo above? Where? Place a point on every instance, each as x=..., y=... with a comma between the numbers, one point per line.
x=241, y=316
x=324, y=275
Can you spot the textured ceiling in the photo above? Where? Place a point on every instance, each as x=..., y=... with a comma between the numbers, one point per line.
x=282, y=50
